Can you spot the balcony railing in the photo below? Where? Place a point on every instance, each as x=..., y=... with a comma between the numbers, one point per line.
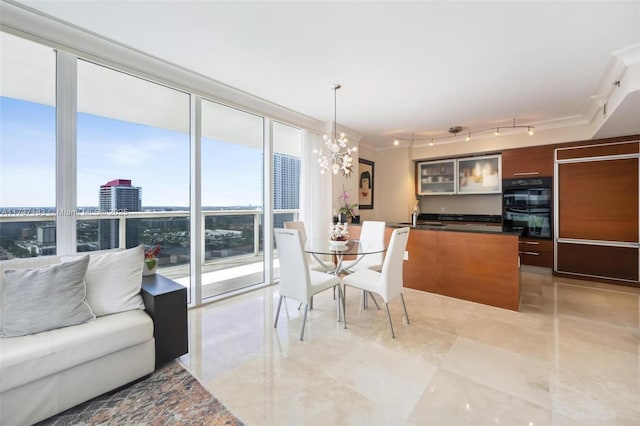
x=232, y=244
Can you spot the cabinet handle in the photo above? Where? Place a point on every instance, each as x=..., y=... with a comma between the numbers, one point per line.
x=526, y=173
x=532, y=253
x=533, y=243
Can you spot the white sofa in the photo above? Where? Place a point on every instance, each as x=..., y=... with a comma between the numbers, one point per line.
x=46, y=372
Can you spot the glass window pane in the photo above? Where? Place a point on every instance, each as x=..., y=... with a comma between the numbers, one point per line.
x=232, y=194
x=287, y=145
x=27, y=148
x=133, y=167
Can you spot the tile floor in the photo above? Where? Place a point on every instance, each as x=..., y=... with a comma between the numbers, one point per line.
x=570, y=357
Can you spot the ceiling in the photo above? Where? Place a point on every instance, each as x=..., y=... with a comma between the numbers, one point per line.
x=416, y=67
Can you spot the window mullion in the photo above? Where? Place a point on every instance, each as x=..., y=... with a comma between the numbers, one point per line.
x=197, y=221
x=66, y=149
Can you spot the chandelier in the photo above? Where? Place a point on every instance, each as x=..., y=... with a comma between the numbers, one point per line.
x=337, y=155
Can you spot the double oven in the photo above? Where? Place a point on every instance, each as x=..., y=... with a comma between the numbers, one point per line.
x=527, y=206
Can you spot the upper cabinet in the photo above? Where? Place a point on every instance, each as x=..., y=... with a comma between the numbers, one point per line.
x=437, y=177
x=528, y=162
x=480, y=175
x=472, y=175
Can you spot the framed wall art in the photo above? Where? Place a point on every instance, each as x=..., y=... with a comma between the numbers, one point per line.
x=365, y=185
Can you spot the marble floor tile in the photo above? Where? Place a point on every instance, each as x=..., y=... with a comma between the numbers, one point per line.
x=506, y=334
x=451, y=399
x=570, y=356
x=393, y=379
x=518, y=375
x=594, y=400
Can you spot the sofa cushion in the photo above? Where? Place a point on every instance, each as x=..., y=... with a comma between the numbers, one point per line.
x=28, y=358
x=44, y=298
x=114, y=280
x=23, y=263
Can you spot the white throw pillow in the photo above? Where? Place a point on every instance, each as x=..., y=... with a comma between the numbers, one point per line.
x=23, y=263
x=45, y=298
x=114, y=280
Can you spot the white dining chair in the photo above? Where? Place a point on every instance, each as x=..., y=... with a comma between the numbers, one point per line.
x=314, y=263
x=297, y=281
x=371, y=234
x=387, y=283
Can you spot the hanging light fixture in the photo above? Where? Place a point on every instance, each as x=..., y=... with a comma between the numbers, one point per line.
x=338, y=155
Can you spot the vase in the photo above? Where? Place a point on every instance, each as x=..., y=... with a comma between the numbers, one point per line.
x=337, y=245
x=147, y=270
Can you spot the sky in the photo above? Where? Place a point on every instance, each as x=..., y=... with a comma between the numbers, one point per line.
x=154, y=159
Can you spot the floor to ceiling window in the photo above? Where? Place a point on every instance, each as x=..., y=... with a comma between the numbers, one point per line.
x=287, y=145
x=232, y=199
x=127, y=144
x=133, y=167
x=27, y=148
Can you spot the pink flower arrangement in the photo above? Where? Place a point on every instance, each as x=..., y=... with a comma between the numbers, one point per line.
x=345, y=207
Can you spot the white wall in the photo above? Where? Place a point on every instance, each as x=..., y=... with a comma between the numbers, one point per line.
x=394, y=188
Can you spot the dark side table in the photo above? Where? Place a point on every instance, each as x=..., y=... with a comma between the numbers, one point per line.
x=166, y=303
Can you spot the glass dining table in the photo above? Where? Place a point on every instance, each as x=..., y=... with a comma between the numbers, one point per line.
x=320, y=247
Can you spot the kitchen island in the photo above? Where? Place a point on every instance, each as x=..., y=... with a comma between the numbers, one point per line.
x=472, y=262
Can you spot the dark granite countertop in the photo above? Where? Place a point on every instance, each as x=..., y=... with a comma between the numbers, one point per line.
x=473, y=228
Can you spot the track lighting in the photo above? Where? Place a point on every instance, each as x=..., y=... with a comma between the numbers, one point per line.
x=457, y=129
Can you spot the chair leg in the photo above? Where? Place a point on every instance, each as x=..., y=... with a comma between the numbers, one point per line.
x=275, y=324
x=344, y=305
x=374, y=299
x=300, y=305
x=393, y=335
x=405, y=308
x=339, y=301
x=304, y=320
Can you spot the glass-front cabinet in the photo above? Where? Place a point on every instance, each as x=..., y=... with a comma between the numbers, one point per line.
x=437, y=177
x=470, y=175
x=480, y=175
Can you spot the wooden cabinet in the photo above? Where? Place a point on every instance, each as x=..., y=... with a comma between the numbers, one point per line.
x=536, y=252
x=475, y=266
x=528, y=162
x=611, y=262
x=436, y=177
x=598, y=230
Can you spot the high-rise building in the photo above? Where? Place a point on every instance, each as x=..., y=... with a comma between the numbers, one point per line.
x=117, y=197
x=286, y=186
